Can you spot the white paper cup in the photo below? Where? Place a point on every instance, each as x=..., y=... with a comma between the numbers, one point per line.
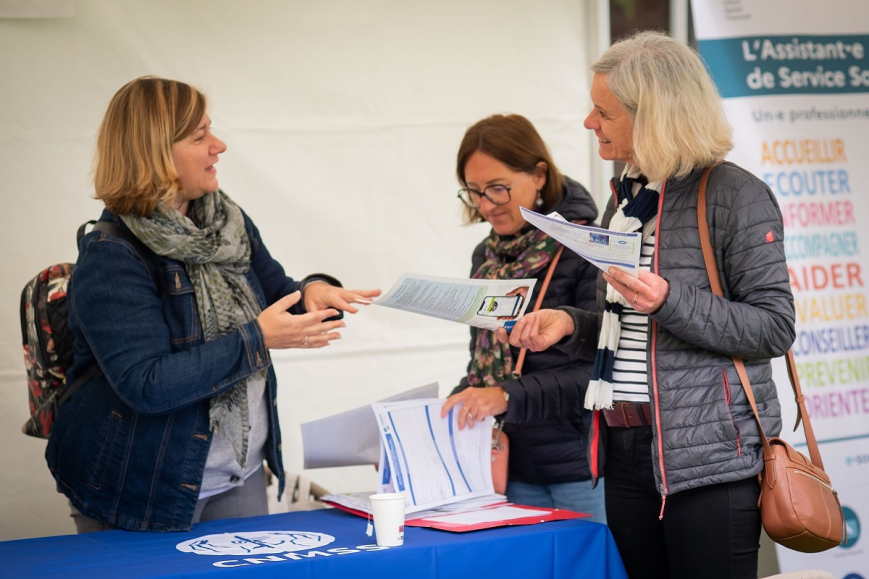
x=388, y=512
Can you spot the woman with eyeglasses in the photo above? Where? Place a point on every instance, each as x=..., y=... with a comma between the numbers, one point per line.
x=503, y=165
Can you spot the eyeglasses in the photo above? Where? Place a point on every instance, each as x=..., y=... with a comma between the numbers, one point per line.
x=497, y=194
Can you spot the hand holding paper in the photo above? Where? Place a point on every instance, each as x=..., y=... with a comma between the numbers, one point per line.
x=646, y=293
x=483, y=303
x=603, y=248
x=429, y=458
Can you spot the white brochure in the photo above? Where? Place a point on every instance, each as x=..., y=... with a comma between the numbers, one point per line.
x=603, y=248
x=482, y=303
x=350, y=438
x=429, y=458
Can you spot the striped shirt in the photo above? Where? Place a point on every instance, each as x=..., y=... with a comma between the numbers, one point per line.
x=630, y=378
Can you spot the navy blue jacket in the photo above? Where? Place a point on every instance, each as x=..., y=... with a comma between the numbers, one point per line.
x=129, y=447
x=545, y=419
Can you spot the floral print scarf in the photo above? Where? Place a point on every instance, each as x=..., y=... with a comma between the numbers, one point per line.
x=506, y=258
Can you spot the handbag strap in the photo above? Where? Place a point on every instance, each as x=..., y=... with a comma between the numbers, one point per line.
x=802, y=413
x=715, y=283
x=520, y=360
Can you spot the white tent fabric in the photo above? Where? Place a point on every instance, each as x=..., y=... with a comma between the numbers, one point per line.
x=342, y=119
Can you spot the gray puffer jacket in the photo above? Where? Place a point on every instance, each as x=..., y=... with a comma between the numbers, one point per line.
x=704, y=429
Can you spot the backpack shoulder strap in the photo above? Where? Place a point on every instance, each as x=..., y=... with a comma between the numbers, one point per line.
x=147, y=257
x=144, y=253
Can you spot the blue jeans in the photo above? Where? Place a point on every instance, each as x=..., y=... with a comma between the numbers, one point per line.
x=573, y=496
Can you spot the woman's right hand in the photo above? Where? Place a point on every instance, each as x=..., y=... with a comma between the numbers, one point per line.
x=282, y=330
x=538, y=330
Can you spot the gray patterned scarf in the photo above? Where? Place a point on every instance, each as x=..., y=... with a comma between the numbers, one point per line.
x=213, y=245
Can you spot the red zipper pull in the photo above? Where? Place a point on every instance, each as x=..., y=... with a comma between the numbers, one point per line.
x=663, y=504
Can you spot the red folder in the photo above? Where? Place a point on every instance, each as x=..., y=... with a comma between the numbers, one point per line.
x=438, y=522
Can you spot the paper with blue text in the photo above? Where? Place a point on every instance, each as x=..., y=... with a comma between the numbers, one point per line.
x=429, y=458
x=603, y=248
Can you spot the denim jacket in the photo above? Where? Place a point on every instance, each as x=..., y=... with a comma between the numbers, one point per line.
x=129, y=447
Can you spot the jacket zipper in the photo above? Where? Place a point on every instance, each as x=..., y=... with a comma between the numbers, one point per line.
x=654, y=357
x=654, y=336
x=594, y=454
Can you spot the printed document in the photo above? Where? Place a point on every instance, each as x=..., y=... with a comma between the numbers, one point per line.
x=440, y=468
x=429, y=458
x=603, y=248
x=482, y=303
x=350, y=438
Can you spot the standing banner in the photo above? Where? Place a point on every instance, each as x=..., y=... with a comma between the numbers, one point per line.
x=794, y=75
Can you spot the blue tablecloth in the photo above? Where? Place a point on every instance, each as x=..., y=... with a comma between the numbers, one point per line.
x=319, y=544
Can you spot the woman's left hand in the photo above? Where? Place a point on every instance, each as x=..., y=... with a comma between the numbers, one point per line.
x=321, y=295
x=478, y=403
x=645, y=293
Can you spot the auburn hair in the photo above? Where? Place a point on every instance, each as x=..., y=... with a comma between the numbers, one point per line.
x=512, y=140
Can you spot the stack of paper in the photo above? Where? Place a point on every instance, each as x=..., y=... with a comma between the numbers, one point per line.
x=358, y=503
x=445, y=473
x=350, y=438
x=429, y=459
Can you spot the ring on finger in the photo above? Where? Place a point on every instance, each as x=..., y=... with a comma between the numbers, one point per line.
x=305, y=343
x=635, y=297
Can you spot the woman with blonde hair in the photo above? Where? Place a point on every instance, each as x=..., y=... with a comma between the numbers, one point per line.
x=673, y=427
x=179, y=408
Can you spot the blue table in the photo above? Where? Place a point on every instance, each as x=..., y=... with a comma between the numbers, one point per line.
x=319, y=544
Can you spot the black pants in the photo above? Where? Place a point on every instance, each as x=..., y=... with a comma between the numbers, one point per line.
x=707, y=532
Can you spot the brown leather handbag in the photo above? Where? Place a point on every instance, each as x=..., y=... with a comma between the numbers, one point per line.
x=500, y=442
x=798, y=505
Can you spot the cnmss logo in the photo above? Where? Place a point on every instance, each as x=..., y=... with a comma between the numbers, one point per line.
x=257, y=547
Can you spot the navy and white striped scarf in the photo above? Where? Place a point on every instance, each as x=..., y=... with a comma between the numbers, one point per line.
x=635, y=212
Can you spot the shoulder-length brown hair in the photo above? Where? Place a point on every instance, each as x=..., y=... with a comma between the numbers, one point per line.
x=512, y=140
x=133, y=169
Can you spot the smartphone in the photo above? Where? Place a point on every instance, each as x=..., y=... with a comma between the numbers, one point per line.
x=501, y=306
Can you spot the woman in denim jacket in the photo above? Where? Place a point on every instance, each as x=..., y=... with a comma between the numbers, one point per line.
x=175, y=425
